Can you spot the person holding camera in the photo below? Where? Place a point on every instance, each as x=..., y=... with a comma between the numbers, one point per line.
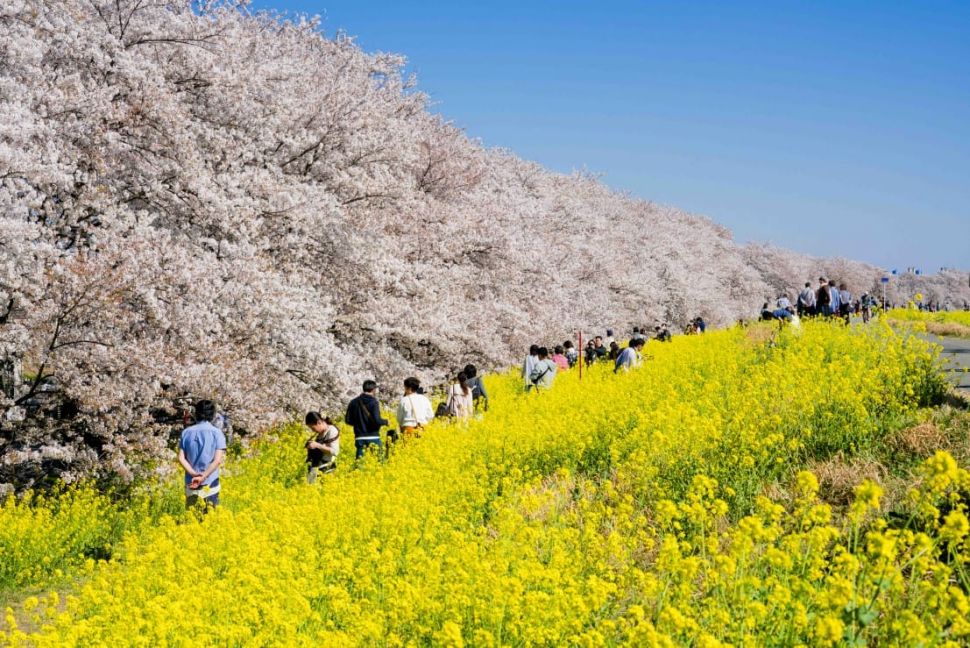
x=322, y=449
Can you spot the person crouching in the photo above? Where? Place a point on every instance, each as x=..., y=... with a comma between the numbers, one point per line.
x=322, y=449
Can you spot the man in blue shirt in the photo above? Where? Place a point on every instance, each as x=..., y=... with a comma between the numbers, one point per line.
x=202, y=449
x=834, y=301
x=630, y=356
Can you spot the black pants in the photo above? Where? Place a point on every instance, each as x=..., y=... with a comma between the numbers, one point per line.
x=311, y=473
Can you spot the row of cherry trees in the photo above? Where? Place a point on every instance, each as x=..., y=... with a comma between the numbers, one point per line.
x=199, y=200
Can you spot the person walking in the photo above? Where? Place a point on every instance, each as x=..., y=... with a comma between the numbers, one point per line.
x=630, y=357
x=823, y=301
x=845, y=302
x=202, y=449
x=364, y=415
x=479, y=395
x=321, y=449
x=571, y=353
x=544, y=371
x=835, y=304
x=866, y=303
x=559, y=357
x=460, y=404
x=528, y=365
x=806, y=301
x=414, y=410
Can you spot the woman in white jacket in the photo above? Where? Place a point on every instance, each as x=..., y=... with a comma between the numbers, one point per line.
x=414, y=411
x=460, y=404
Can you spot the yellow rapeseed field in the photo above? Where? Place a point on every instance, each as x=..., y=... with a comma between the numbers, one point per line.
x=621, y=510
x=961, y=318
x=945, y=323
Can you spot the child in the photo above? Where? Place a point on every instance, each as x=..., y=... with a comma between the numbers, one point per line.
x=322, y=449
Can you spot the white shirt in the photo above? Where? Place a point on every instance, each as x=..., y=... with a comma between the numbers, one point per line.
x=332, y=440
x=783, y=302
x=628, y=358
x=543, y=373
x=414, y=410
x=527, y=367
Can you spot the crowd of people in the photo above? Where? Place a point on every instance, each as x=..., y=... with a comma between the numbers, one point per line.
x=202, y=445
x=827, y=300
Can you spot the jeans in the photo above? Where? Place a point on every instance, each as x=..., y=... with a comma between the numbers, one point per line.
x=361, y=445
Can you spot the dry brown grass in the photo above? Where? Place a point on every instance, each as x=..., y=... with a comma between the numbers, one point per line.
x=948, y=328
x=838, y=477
x=943, y=329
x=921, y=440
x=760, y=334
x=776, y=492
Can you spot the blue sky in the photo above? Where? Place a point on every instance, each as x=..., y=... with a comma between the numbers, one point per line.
x=832, y=128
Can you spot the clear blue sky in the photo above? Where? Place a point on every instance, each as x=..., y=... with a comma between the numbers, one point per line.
x=833, y=128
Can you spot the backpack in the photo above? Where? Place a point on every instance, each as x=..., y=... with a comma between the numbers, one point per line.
x=442, y=410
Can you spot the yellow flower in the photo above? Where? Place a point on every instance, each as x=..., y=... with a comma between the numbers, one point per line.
x=955, y=527
x=591, y=515
x=829, y=630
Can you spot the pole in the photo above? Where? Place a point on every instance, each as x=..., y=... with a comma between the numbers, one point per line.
x=582, y=356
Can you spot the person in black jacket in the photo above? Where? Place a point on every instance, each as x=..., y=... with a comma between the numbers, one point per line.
x=823, y=299
x=364, y=415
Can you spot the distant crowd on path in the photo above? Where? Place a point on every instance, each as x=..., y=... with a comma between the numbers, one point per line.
x=827, y=300
x=936, y=306
x=202, y=446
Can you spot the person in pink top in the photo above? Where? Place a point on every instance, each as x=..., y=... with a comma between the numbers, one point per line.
x=460, y=404
x=559, y=357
